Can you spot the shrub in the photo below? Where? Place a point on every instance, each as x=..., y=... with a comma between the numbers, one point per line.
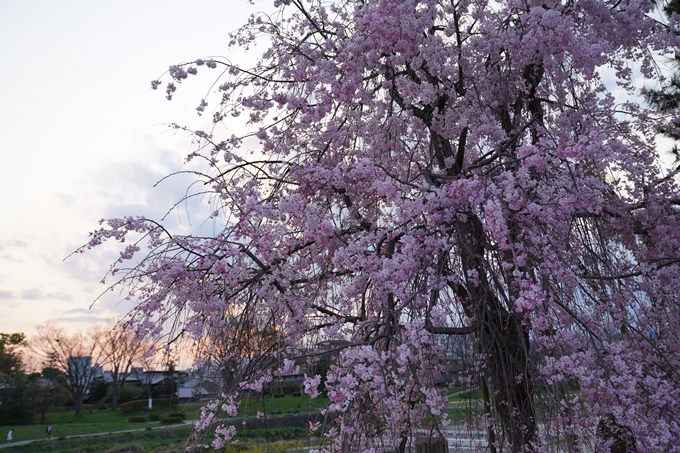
x=98, y=389
x=128, y=393
x=154, y=417
x=102, y=406
x=15, y=414
x=133, y=406
x=292, y=387
x=171, y=419
x=181, y=415
x=137, y=419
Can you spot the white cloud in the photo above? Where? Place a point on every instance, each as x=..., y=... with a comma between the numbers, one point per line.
x=32, y=294
x=37, y=293
x=79, y=320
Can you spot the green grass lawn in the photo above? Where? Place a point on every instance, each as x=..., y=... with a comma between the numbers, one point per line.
x=103, y=416
x=171, y=440
x=455, y=388
x=106, y=421
x=250, y=406
x=67, y=424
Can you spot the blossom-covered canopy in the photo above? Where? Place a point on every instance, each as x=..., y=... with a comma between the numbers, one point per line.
x=418, y=169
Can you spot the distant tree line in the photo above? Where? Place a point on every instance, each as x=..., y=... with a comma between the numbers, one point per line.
x=69, y=371
x=13, y=382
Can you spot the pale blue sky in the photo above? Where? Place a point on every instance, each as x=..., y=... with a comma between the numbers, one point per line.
x=81, y=137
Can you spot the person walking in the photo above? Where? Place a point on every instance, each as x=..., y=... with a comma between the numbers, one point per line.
x=9, y=436
x=48, y=432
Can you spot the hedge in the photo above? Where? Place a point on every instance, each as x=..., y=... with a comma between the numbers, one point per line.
x=137, y=419
x=171, y=420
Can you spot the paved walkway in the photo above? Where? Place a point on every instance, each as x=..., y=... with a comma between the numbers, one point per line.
x=76, y=436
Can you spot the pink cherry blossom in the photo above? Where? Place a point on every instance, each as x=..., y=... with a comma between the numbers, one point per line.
x=417, y=175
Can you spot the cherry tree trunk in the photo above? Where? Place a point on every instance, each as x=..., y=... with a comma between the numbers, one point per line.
x=503, y=342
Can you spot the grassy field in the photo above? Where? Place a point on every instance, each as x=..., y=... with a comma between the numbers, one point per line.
x=169, y=440
x=66, y=424
x=472, y=394
x=251, y=406
x=463, y=406
x=106, y=421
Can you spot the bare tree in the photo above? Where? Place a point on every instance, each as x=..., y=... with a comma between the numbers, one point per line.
x=75, y=355
x=121, y=350
x=253, y=343
x=143, y=373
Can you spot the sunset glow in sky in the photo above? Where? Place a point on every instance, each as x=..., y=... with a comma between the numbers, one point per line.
x=82, y=137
